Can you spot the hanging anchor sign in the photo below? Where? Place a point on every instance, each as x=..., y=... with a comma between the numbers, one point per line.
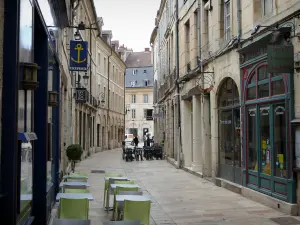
x=78, y=55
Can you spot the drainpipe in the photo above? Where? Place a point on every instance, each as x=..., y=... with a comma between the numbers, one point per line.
x=124, y=105
x=179, y=152
x=108, y=81
x=239, y=20
x=199, y=61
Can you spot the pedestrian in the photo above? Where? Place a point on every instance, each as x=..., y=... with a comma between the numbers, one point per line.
x=136, y=140
x=148, y=141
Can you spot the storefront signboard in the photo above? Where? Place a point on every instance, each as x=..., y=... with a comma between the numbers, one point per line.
x=81, y=95
x=78, y=55
x=280, y=58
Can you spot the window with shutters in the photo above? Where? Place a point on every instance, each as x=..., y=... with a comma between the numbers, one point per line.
x=133, y=113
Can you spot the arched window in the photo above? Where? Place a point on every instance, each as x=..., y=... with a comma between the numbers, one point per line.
x=263, y=84
x=229, y=95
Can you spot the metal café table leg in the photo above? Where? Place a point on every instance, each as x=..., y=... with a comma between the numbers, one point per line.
x=107, y=200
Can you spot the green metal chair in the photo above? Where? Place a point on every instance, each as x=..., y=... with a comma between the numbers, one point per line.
x=137, y=210
x=73, y=209
x=79, y=174
x=113, y=175
x=66, y=190
x=106, y=186
x=124, y=182
x=117, y=191
x=80, y=179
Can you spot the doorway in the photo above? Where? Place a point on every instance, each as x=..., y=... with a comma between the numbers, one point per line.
x=229, y=133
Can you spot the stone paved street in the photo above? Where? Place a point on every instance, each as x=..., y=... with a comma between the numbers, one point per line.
x=178, y=197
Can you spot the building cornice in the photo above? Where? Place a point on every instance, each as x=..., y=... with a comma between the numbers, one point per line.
x=161, y=9
x=153, y=35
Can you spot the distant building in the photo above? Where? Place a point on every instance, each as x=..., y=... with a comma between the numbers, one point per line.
x=139, y=93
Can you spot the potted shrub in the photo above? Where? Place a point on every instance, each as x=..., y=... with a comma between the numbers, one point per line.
x=74, y=153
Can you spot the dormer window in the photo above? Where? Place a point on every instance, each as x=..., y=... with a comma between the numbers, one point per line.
x=133, y=83
x=145, y=71
x=146, y=82
x=134, y=72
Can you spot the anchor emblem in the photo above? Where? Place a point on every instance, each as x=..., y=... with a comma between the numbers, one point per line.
x=79, y=48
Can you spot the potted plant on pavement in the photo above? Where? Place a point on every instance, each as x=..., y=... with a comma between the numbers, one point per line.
x=74, y=153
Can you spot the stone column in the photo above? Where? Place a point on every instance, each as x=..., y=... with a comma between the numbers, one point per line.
x=186, y=133
x=197, y=150
x=206, y=137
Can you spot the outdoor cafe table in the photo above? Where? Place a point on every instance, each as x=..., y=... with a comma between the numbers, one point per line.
x=117, y=178
x=70, y=222
x=114, y=186
x=74, y=183
x=89, y=196
x=73, y=176
x=122, y=198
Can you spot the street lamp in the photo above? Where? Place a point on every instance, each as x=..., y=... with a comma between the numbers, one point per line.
x=102, y=101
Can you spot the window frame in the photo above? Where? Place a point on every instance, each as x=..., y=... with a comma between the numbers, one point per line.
x=227, y=15
x=263, y=7
x=146, y=100
x=133, y=114
x=269, y=80
x=99, y=61
x=133, y=98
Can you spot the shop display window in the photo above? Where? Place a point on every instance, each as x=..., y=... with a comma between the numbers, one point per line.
x=252, y=154
x=25, y=122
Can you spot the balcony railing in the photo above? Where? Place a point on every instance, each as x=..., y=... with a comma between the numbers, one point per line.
x=92, y=101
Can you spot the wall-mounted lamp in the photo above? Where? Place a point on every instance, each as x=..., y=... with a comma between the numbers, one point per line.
x=28, y=72
x=127, y=109
x=85, y=79
x=52, y=98
x=77, y=36
x=101, y=100
x=257, y=27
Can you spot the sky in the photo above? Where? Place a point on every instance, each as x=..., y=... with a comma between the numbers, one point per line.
x=131, y=21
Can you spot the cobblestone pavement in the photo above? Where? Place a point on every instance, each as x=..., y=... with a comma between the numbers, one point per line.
x=177, y=196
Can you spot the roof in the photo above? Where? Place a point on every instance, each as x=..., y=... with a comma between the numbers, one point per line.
x=139, y=59
x=140, y=77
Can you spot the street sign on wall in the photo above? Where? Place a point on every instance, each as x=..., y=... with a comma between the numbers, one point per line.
x=158, y=115
x=280, y=58
x=81, y=95
x=78, y=55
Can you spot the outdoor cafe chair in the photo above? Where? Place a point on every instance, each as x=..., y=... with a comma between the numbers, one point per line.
x=70, y=208
x=132, y=222
x=137, y=210
x=117, y=191
x=76, y=190
x=106, y=184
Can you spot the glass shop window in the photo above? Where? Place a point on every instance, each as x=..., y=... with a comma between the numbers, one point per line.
x=25, y=122
x=265, y=149
x=251, y=133
x=280, y=138
x=263, y=84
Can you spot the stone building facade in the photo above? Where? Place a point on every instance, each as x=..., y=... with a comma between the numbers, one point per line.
x=238, y=110
x=41, y=119
x=139, y=94
x=99, y=124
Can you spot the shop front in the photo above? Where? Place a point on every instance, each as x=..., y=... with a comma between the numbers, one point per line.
x=267, y=111
x=229, y=132
x=30, y=118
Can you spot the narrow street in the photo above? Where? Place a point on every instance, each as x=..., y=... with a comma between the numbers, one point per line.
x=177, y=196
